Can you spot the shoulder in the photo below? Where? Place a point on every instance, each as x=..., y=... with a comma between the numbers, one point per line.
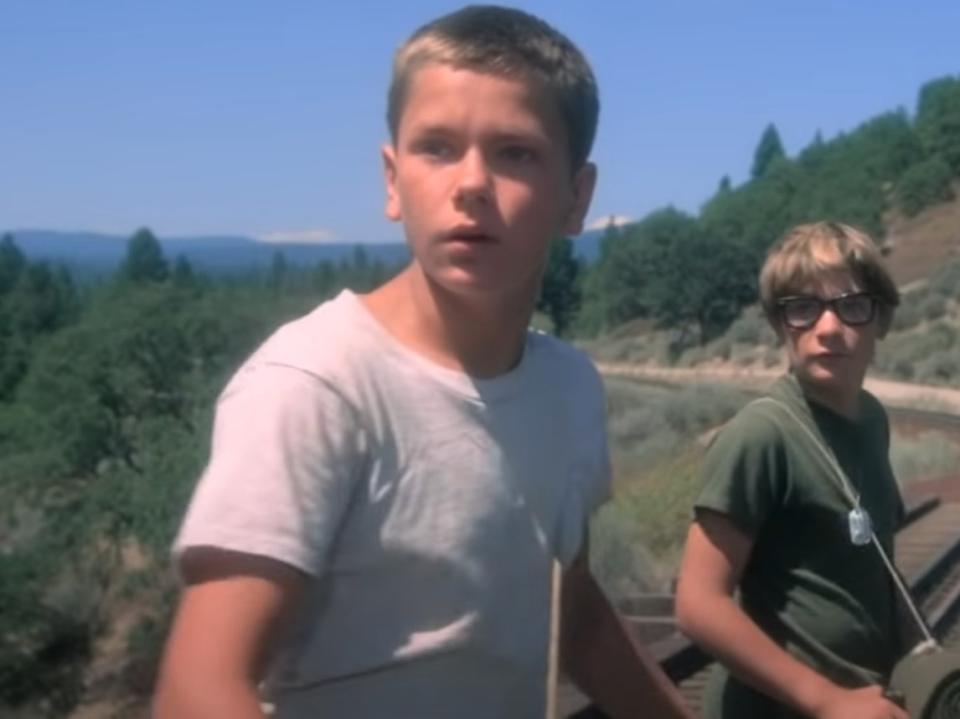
x=315, y=361
x=561, y=360
x=566, y=374
x=758, y=425
x=333, y=344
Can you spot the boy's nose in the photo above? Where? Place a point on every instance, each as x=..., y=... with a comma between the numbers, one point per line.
x=474, y=179
x=828, y=322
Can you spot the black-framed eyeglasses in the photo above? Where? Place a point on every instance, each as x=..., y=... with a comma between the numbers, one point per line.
x=803, y=311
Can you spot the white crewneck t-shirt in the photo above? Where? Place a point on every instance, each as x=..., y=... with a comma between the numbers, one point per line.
x=426, y=506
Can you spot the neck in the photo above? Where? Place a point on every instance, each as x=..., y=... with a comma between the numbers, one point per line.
x=482, y=337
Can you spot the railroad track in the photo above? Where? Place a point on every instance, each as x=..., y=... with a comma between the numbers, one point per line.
x=927, y=554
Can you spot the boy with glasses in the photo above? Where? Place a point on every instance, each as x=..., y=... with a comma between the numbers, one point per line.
x=814, y=633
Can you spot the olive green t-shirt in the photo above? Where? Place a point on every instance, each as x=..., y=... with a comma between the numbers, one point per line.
x=824, y=599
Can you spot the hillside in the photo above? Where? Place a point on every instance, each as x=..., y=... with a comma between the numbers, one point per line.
x=920, y=245
x=107, y=389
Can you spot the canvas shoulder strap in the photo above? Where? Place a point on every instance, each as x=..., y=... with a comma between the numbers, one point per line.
x=846, y=488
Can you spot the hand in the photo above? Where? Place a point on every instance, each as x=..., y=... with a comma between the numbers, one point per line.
x=865, y=703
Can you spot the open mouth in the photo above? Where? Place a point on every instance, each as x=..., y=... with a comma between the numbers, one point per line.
x=470, y=237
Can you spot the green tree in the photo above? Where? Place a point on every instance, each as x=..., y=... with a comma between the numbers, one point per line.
x=924, y=184
x=768, y=149
x=938, y=120
x=706, y=284
x=755, y=214
x=183, y=274
x=690, y=281
x=279, y=269
x=144, y=261
x=560, y=290
x=43, y=300
x=12, y=263
x=610, y=287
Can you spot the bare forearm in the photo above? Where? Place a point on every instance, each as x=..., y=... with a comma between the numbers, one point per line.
x=599, y=654
x=726, y=631
x=209, y=700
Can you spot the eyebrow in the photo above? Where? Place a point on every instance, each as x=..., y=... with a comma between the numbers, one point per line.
x=504, y=134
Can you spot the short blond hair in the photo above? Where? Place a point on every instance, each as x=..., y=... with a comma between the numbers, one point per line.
x=508, y=42
x=808, y=253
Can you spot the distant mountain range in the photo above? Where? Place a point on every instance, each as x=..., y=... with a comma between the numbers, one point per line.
x=90, y=253
x=95, y=253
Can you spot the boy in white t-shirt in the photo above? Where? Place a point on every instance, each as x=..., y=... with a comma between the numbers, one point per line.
x=393, y=475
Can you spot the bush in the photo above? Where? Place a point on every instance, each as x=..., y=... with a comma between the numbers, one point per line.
x=901, y=355
x=910, y=312
x=772, y=357
x=692, y=357
x=618, y=557
x=696, y=409
x=929, y=454
x=721, y=348
x=41, y=649
x=941, y=367
x=934, y=307
x=752, y=328
x=946, y=281
x=924, y=184
x=636, y=538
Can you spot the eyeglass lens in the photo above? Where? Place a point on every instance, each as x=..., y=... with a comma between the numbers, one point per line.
x=804, y=312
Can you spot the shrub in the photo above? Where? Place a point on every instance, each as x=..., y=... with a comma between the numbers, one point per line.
x=618, y=557
x=925, y=183
x=929, y=454
x=752, y=328
x=636, y=538
x=692, y=357
x=910, y=312
x=934, y=307
x=721, y=348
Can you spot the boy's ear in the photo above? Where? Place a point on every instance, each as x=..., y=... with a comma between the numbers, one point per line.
x=392, y=208
x=584, y=182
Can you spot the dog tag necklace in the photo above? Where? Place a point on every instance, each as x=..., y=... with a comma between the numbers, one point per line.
x=858, y=519
x=861, y=528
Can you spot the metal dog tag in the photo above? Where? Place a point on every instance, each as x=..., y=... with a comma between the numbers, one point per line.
x=861, y=528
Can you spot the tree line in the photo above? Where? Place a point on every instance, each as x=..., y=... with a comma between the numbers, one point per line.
x=106, y=391
x=695, y=273
x=107, y=388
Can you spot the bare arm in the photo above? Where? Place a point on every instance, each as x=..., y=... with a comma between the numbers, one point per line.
x=715, y=556
x=227, y=617
x=599, y=654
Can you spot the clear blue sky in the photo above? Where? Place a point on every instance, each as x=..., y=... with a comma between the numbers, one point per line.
x=258, y=117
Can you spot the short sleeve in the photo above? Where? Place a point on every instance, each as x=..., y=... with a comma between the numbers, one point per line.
x=745, y=473
x=601, y=474
x=285, y=455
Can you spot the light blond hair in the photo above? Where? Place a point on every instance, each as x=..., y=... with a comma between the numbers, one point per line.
x=508, y=42
x=808, y=253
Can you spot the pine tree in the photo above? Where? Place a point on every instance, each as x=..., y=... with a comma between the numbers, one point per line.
x=183, y=275
x=938, y=120
x=768, y=150
x=144, y=261
x=12, y=263
x=560, y=290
